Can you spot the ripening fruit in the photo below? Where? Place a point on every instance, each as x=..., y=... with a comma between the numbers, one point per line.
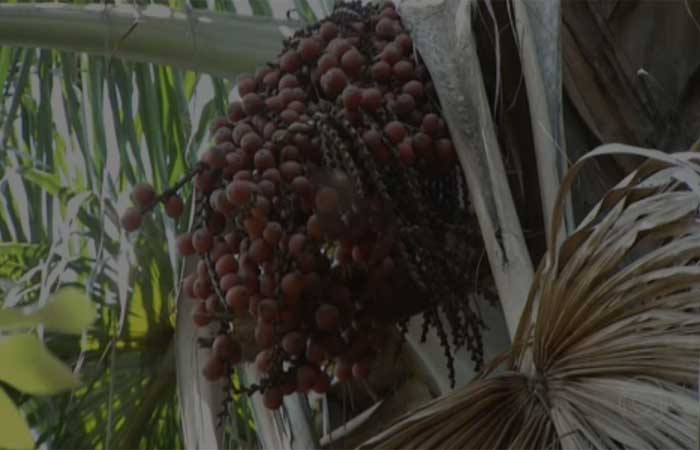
x=294, y=343
x=237, y=298
x=343, y=372
x=372, y=99
x=323, y=384
x=272, y=397
x=328, y=31
x=326, y=62
x=403, y=70
x=265, y=334
x=315, y=353
x=381, y=71
x=235, y=112
x=200, y=316
x=215, y=157
x=273, y=233
x=263, y=361
x=404, y=42
x=288, y=80
x=352, y=98
x=395, y=131
x=226, y=349
x=391, y=54
x=204, y=181
x=290, y=61
x=327, y=200
x=306, y=378
x=143, y=194
x=404, y=104
x=406, y=154
x=352, y=62
x=239, y=192
x=131, y=219
x=252, y=103
x=214, y=369
x=292, y=285
x=246, y=85
x=202, y=240
x=260, y=251
x=268, y=310
x=225, y=265
x=289, y=116
x=188, y=285
x=296, y=244
x=385, y=28
x=309, y=49
x=414, y=88
x=333, y=82
x=251, y=143
x=313, y=228
x=174, y=207
x=431, y=124
x=327, y=317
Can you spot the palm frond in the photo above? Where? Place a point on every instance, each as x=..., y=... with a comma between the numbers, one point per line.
x=607, y=353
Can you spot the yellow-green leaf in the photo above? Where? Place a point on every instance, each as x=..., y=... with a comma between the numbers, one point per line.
x=68, y=311
x=14, y=430
x=27, y=365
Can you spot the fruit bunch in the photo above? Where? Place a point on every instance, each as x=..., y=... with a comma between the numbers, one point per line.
x=329, y=207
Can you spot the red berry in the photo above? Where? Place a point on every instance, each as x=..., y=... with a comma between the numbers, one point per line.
x=288, y=80
x=202, y=240
x=174, y=207
x=184, y=245
x=327, y=317
x=237, y=298
x=294, y=343
x=406, y=155
x=381, y=71
x=272, y=397
x=352, y=62
x=333, y=82
x=328, y=31
x=327, y=200
x=252, y=103
x=235, y=112
x=326, y=62
x=372, y=99
x=290, y=61
x=395, y=131
x=309, y=49
x=352, y=98
x=143, y=194
x=214, y=369
x=131, y=219
x=385, y=28
x=246, y=85
x=306, y=377
x=226, y=349
x=403, y=70
x=226, y=264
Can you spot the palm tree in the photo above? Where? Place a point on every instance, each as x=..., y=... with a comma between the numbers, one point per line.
x=514, y=79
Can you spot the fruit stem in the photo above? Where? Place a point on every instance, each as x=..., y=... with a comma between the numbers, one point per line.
x=173, y=190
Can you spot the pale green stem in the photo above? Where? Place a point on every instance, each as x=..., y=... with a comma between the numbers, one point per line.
x=218, y=44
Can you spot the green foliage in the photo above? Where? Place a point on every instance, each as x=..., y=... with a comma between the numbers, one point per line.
x=28, y=366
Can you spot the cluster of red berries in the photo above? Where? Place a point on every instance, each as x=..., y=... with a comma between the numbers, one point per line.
x=323, y=206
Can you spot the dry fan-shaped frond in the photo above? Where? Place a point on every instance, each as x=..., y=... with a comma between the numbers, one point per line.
x=607, y=353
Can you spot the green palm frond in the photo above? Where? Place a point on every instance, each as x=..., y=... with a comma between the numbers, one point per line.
x=607, y=353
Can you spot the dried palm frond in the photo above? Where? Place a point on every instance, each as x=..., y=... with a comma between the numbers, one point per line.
x=607, y=353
